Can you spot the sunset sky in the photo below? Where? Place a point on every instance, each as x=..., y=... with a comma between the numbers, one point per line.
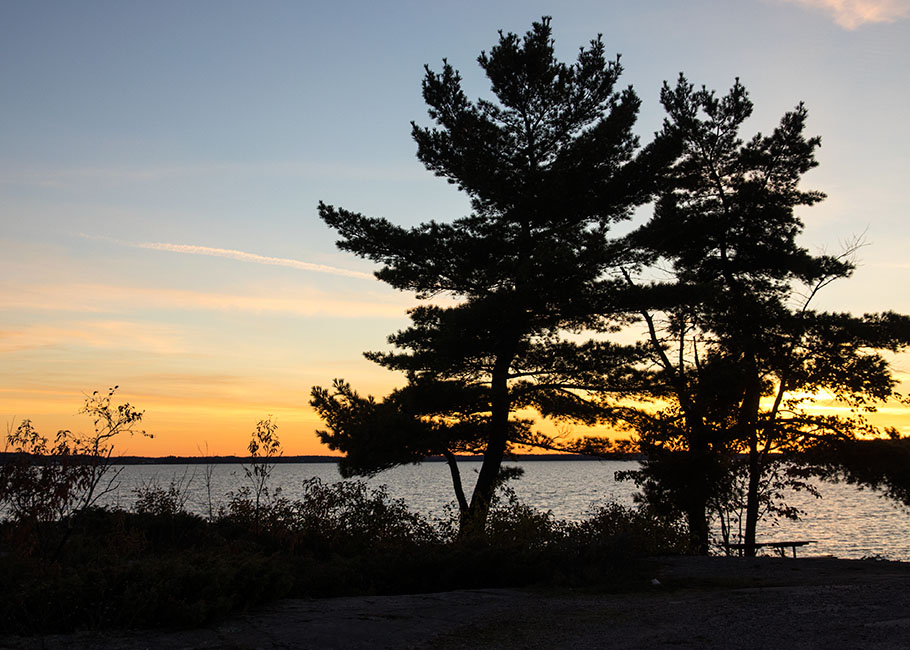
x=161, y=163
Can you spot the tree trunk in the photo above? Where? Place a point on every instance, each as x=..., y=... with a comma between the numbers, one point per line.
x=752, y=496
x=697, y=521
x=748, y=427
x=697, y=500
x=456, y=484
x=475, y=522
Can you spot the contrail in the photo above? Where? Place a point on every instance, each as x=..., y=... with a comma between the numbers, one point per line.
x=253, y=257
x=242, y=256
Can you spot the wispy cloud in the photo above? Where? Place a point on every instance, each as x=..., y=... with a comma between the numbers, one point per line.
x=67, y=178
x=240, y=256
x=112, y=299
x=243, y=256
x=851, y=14
x=104, y=334
x=314, y=303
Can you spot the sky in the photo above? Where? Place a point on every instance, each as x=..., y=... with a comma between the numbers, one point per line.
x=161, y=163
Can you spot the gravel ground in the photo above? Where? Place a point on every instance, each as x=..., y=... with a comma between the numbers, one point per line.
x=707, y=603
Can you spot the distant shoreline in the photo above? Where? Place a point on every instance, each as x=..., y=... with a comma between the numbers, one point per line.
x=226, y=460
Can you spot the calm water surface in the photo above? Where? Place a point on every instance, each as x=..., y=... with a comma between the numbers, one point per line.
x=846, y=522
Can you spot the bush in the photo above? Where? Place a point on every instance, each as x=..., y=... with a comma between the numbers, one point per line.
x=514, y=525
x=45, y=482
x=350, y=515
x=340, y=518
x=614, y=529
x=159, y=565
x=152, y=499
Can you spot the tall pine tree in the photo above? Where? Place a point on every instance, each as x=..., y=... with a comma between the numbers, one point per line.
x=740, y=352
x=549, y=164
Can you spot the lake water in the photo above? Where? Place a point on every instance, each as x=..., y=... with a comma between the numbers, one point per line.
x=846, y=522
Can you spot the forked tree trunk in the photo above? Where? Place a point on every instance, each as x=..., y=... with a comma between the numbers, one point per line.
x=474, y=523
x=457, y=486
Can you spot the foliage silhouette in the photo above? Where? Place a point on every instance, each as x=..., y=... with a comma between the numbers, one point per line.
x=161, y=566
x=258, y=502
x=881, y=464
x=154, y=499
x=549, y=166
x=739, y=351
x=44, y=482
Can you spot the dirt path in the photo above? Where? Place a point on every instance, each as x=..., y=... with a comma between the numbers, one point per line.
x=700, y=603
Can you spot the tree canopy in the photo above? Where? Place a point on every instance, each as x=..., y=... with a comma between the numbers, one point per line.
x=719, y=390
x=549, y=165
x=741, y=355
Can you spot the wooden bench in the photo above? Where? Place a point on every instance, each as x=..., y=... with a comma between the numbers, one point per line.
x=779, y=546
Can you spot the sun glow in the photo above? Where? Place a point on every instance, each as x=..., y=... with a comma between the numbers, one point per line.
x=852, y=14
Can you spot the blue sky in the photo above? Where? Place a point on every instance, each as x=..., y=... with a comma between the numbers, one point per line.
x=161, y=162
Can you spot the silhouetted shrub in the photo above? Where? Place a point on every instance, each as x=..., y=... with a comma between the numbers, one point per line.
x=342, y=517
x=158, y=565
x=353, y=516
x=153, y=499
x=44, y=482
x=512, y=524
x=628, y=531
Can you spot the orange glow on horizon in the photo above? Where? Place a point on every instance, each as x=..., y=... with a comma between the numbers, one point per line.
x=180, y=426
x=191, y=415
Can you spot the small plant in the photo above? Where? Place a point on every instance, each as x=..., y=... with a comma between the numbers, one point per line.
x=255, y=500
x=95, y=449
x=264, y=449
x=46, y=481
x=208, y=475
x=40, y=482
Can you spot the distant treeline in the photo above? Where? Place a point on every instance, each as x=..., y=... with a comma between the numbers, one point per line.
x=224, y=460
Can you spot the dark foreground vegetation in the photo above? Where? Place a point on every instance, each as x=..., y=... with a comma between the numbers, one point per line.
x=68, y=564
x=158, y=565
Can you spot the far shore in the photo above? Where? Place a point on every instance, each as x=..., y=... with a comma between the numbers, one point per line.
x=221, y=460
